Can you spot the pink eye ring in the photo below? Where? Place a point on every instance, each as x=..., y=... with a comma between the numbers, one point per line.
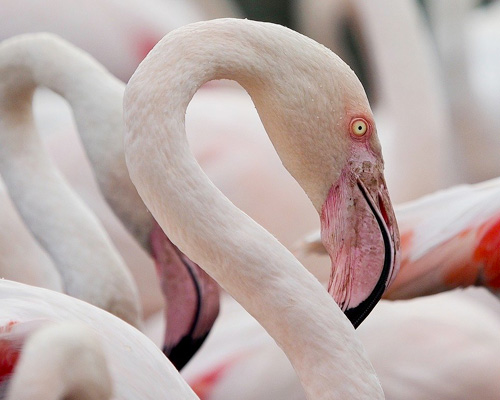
x=359, y=127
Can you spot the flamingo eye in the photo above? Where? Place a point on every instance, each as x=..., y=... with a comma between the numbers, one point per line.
x=359, y=127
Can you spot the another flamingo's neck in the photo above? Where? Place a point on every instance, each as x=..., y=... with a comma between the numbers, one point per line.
x=90, y=266
x=243, y=257
x=95, y=96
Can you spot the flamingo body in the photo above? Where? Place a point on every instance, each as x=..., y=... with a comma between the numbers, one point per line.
x=138, y=369
x=450, y=240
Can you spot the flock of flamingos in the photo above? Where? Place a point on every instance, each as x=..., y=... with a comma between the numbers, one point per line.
x=130, y=271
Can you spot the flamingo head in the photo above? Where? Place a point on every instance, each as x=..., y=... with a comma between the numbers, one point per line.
x=325, y=133
x=358, y=225
x=191, y=299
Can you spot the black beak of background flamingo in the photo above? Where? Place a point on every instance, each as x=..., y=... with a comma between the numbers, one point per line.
x=191, y=299
x=182, y=352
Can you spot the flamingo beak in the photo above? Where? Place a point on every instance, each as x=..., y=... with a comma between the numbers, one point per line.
x=191, y=297
x=359, y=231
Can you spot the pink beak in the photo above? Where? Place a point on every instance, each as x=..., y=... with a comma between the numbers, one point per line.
x=360, y=233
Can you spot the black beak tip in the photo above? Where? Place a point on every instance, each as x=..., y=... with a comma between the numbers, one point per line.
x=181, y=353
x=358, y=314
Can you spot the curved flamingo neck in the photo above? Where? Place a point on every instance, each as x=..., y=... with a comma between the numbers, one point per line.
x=312, y=86
x=90, y=266
x=95, y=96
x=243, y=257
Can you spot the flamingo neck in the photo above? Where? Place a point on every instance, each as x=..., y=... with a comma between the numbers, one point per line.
x=95, y=96
x=245, y=259
x=90, y=266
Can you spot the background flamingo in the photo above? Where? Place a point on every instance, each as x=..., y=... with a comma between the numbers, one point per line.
x=19, y=254
x=90, y=267
x=96, y=99
x=138, y=369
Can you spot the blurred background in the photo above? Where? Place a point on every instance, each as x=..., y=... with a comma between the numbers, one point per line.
x=429, y=67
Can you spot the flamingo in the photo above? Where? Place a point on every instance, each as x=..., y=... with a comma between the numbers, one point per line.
x=30, y=61
x=85, y=377
x=54, y=122
x=137, y=367
x=470, y=335
x=293, y=81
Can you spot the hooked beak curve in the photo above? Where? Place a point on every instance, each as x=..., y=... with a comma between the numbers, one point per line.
x=357, y=314
x=359, y=232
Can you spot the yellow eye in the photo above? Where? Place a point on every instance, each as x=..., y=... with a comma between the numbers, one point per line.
x=359, y=127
